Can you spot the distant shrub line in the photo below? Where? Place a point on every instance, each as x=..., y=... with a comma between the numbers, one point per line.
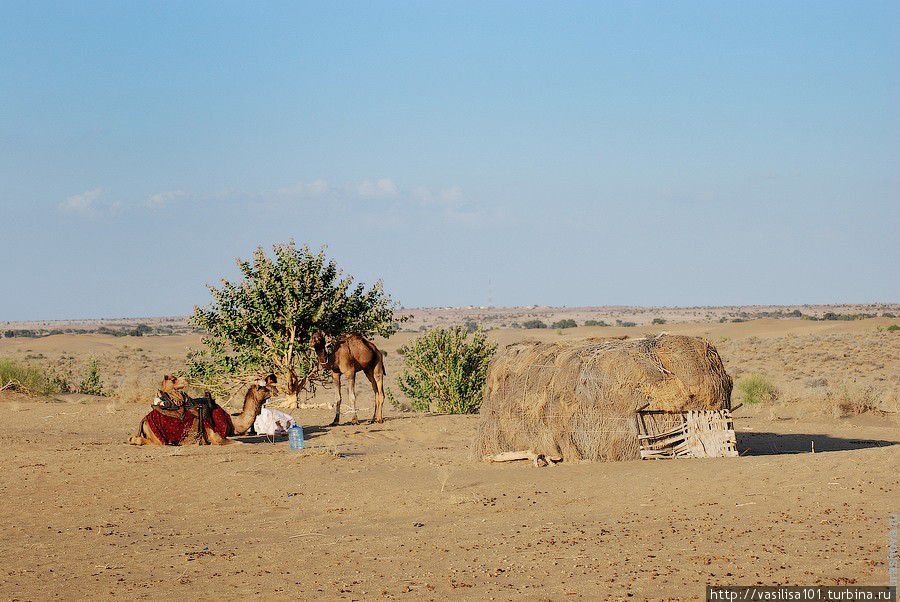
x=138, y=331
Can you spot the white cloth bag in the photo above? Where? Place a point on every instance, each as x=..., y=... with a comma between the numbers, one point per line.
x=273, y=423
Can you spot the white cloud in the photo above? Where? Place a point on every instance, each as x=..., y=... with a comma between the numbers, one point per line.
x=161, y=199
x=313, y=189
x=86, y=202
x=385, y=187
x=448, y=197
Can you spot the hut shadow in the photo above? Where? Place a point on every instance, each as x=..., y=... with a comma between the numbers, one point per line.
x=774, y=444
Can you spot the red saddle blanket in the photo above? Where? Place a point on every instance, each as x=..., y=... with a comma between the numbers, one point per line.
x=172, y=428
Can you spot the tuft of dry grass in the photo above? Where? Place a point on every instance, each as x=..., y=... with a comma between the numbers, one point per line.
x=855, y=400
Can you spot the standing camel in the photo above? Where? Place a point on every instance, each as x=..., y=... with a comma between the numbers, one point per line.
x=346, y=355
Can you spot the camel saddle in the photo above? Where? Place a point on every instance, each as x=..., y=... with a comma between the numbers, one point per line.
x=177, y=425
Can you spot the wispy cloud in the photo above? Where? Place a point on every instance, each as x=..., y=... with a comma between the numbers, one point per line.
x=161, y=199
x=85, y=202
x=447, y=197
x=314, y=189
x=383, y=188
x=448, y=204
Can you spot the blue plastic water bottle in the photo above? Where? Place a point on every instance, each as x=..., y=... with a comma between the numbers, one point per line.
x=295, y=437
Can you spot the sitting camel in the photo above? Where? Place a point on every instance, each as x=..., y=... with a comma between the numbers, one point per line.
x=346, y=355
x=176, y=419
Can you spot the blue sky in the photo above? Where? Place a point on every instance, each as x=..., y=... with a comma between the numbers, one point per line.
x=649, y=153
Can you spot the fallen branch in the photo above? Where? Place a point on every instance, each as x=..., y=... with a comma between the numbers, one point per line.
x=539, y=460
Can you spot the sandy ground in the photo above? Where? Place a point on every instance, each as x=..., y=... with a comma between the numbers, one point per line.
x=402, y=510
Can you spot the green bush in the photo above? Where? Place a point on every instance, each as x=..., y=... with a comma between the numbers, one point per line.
x=658, y=321
x=30, y=379
x=756, y=388
x=893, y=328
x=595, y=323
x=625, y=324
x=830, y=315
x=91, y=385
x=533, y=324
x=445, y=370
x=565, y=324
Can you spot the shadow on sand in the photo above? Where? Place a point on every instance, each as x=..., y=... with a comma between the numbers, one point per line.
x=309, y=432
x=770, y=444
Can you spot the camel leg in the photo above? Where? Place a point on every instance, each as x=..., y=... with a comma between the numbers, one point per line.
x=215, y=439
x=144, y=436
x=376, y=377
x=351, y=389
x=371, y=376
x=336, y=377
x=379, y=393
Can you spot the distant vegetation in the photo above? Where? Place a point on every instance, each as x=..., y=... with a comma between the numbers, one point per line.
x=625, y=324
x=595, y=323
x=137, y=331
x=533, y=324
x=659, y=321
x=565, y=324
x=830, y=315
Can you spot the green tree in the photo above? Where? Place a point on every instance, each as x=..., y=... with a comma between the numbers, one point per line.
x=262, y=322
x=446, y=370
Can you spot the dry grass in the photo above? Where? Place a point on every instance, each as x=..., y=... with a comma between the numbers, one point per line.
x=854, y=400
x=28, y=378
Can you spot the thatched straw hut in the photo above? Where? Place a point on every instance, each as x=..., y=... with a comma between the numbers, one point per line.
x=578, y=399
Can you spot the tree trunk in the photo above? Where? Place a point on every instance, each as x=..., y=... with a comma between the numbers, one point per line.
x=294, y=386
x=290, y=401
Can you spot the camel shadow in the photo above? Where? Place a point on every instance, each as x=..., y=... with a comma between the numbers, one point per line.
x=775, y=444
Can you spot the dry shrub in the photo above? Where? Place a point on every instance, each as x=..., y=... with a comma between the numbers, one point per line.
x=853, y=400
x=578, y=399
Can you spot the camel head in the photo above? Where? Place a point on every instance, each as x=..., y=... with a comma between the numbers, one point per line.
x=263, y=389
x=317, y=342
x=171, y=388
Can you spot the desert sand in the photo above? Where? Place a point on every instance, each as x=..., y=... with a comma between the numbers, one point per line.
x=403, y=510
